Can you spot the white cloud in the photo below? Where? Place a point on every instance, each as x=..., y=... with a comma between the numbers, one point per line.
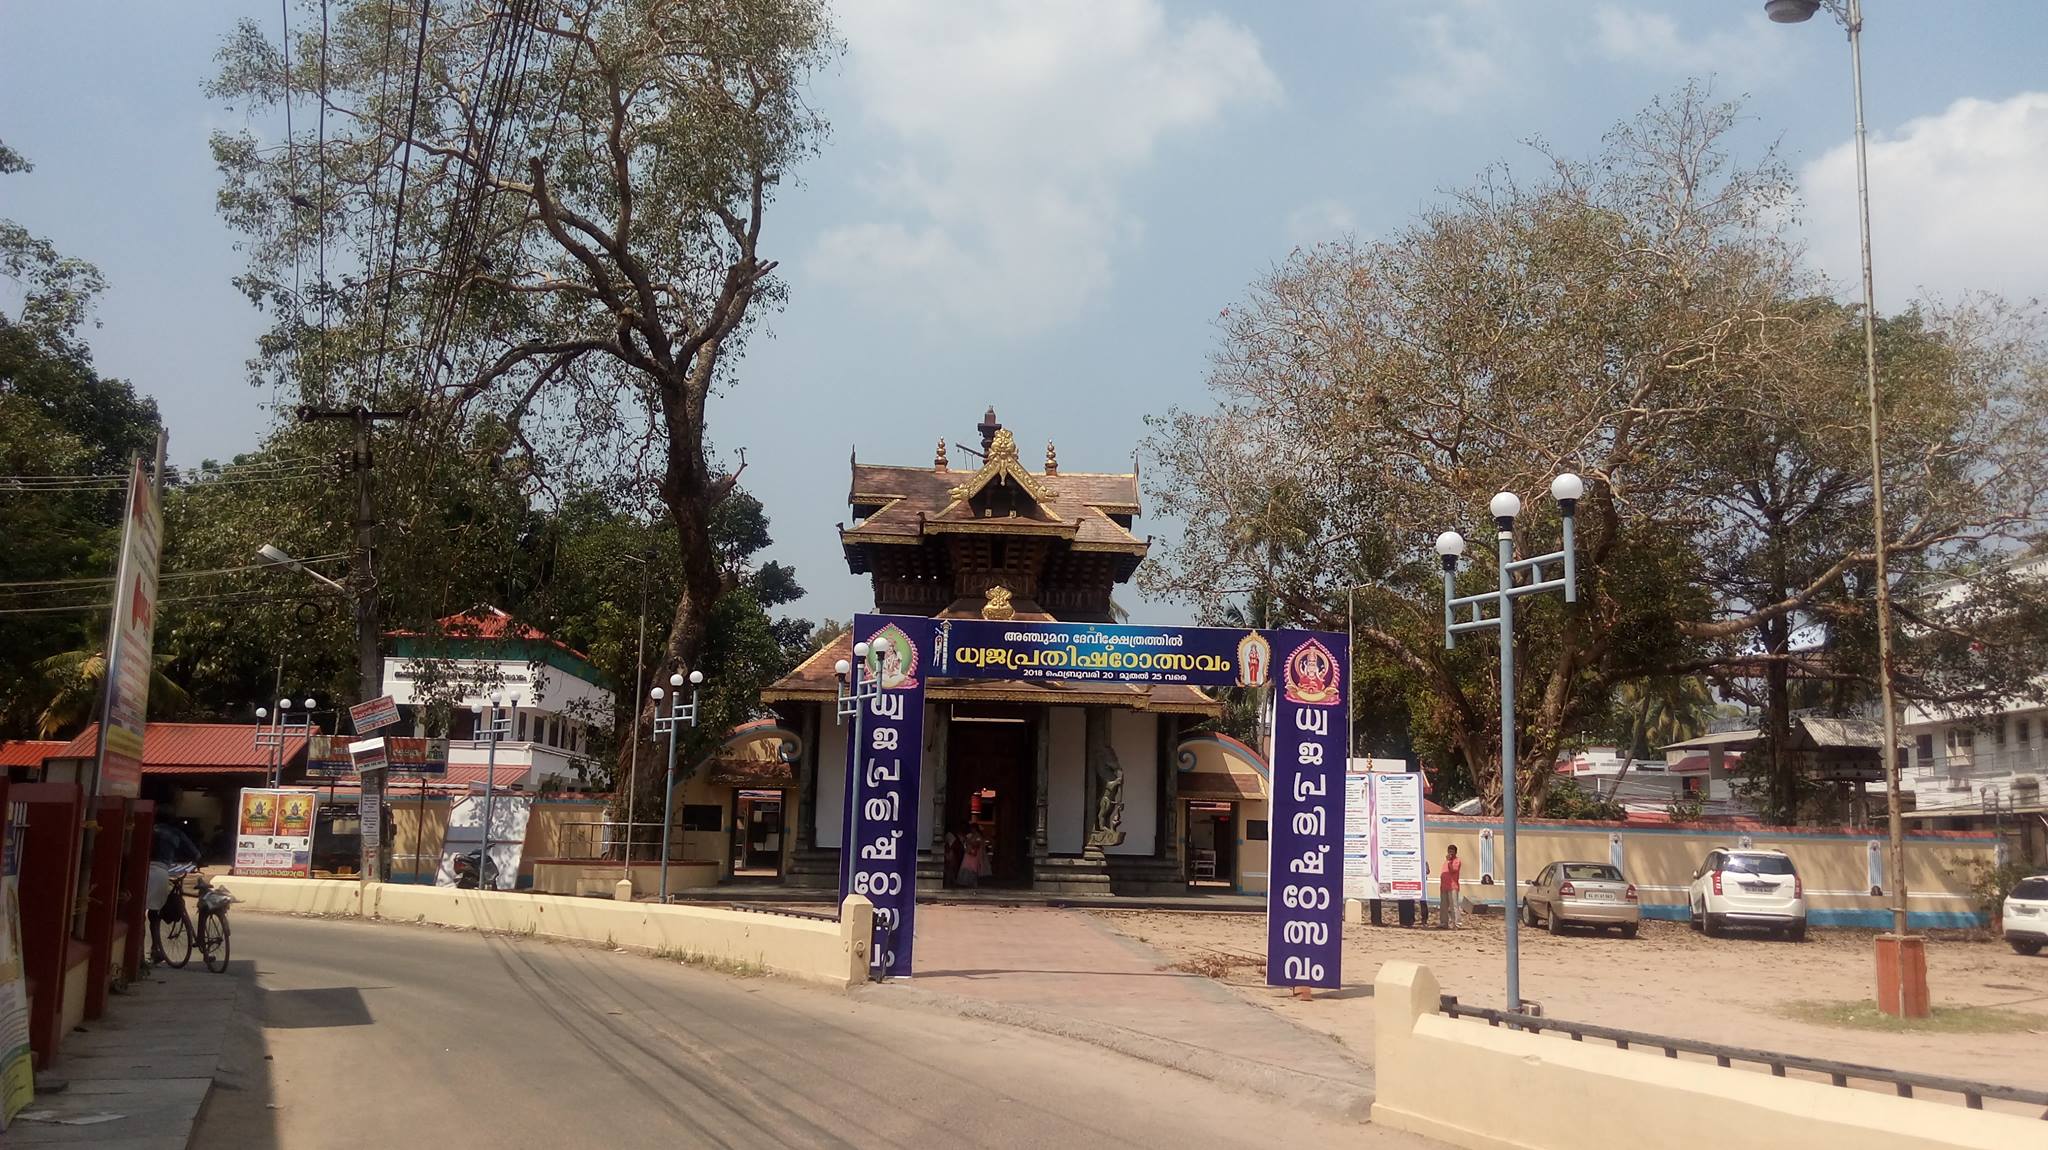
x=1017, y=126
x=1956, y=203
x=1324, y=219
x=1462, y=58
x=1653, y=41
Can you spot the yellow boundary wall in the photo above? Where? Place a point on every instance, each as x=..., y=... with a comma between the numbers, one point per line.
x=1469, y=1084
x=833, y=953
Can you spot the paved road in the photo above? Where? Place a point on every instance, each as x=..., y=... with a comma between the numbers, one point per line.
x=354, y=1034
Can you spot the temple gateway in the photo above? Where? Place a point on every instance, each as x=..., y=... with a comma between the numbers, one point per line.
x=1018, y=763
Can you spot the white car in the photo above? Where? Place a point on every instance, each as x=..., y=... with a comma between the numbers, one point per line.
x=1749, y=888
x=2026, y=915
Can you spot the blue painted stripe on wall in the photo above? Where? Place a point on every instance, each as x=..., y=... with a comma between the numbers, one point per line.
x=1876, y=918
x=1729, y=834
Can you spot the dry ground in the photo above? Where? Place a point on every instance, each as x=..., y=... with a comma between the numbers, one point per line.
x=1737, y=990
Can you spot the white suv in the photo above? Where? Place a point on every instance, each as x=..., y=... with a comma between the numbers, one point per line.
x=2026, y=915
x=1749, y=888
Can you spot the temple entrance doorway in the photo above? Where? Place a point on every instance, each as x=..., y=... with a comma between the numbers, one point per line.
x=757, y=834
x=1212, y=844
x=991, y=789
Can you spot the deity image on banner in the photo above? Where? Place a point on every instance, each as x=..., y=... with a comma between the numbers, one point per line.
x=892, y=658
x=1312, y=676
x=259, y=812
x=1254, y=660
x=295, y=816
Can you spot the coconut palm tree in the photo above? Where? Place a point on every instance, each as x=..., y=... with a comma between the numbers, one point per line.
x=72, y=682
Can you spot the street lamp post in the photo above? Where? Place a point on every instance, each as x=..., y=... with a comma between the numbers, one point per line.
x=1909, y=990
x=1567, y=489
x=281, y=728
x=857, y=685
x=496, y=725
x=672, y=723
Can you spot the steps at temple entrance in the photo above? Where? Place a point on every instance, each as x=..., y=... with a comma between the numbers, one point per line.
x=1145, y=876
x=1071, y=876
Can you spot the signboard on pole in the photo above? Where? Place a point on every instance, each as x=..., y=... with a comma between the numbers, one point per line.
x=327, y=756
x=1358, y=834
x=368, y=755
x=375, y=715
x=131, y=635
x=274, y=835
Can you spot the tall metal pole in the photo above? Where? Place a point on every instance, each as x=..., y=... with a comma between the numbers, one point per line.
x=1507, y=764
x=1884, y=588
x=639, y=698
x=1350, y=644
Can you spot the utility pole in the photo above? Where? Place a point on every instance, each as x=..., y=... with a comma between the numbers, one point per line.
x=369, y=664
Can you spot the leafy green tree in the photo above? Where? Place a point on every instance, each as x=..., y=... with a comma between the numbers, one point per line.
x=58, y=418
x=1640, y=318
x=573, y=255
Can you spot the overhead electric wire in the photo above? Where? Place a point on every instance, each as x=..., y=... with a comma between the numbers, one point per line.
x=320, y=212
x=419, y=56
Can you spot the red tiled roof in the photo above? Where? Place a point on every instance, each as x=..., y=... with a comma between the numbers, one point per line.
x=489, y=623
x=192, y=748
x=28, y=752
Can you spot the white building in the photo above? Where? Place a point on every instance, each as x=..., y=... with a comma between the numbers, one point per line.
x=553, y=694
x=1981, y=772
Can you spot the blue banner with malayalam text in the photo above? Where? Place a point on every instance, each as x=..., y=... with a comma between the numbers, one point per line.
x=1305, y=883
x=1101, y=652
x=884, y=755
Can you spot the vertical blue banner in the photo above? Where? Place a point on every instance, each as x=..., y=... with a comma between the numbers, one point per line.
x=1304, y=892
x=884, y=753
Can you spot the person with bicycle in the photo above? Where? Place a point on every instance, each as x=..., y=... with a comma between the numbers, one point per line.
x=169, y=846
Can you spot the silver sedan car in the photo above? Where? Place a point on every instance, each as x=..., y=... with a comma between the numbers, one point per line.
x=1582, y=894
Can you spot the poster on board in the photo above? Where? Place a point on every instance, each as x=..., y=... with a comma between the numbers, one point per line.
x=17, y=1066
x=1399, y=858
x=274, y=833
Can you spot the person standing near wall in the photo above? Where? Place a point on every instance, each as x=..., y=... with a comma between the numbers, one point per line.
x=1448, y=914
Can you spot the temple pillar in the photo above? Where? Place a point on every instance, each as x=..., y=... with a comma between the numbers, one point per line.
x=1041, y=784
x=1167, y=845
x=807, y=780
x=942, y=729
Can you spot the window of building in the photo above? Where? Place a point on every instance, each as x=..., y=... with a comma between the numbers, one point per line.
x=703, y=817
x=2023, y=731
x=1923, y=746
x=1998, y=736
x=1255, y=830
x=522, y=729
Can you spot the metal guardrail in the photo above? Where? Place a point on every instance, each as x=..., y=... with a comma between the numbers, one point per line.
x=1904, y=1082
x=606, y=839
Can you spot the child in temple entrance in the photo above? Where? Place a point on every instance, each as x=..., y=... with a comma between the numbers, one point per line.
x=973, y=858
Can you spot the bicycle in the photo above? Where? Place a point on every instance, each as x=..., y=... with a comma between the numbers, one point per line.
x=210, y=933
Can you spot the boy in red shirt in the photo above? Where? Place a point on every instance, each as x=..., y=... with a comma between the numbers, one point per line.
x=1448, y=914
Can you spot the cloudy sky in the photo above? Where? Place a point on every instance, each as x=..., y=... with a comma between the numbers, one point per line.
x=1043, y=205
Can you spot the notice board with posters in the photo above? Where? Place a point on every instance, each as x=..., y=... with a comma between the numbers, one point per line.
x=274, y=832
x=130, y=637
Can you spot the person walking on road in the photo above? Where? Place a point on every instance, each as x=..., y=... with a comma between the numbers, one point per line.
x=1448, y=915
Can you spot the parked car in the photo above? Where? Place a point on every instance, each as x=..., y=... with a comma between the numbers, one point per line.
x=1582, y=894
x=2026, y=915
x=1749, y=888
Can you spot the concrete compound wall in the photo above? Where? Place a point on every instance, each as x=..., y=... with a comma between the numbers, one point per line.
x=1469, y=1084
x=834, y=953
x=1833, y=864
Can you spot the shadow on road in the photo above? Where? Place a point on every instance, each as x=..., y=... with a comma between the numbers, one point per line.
x=239, y=1110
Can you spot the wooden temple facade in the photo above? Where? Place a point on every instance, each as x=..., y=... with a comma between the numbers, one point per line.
x=1014, y=762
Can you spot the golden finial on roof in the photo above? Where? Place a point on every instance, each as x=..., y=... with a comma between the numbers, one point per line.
x=1052, y=458
x=1003, y=448
x=939, y=460
x=998, y=604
